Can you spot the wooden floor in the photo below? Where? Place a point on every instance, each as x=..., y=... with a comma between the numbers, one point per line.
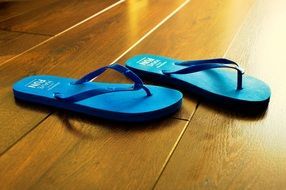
x=200, y=147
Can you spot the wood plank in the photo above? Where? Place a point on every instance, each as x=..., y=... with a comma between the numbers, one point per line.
x=202, y=34
x=55, y=17
x=67, y=152
x=223, y=150
x=11, y=9
x=13, y=43
x=87, y=154
x=95, y=43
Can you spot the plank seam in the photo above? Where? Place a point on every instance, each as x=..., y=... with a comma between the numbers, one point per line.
x=21, y=13
x=174, y=148
x=23, y=32
x=238, y=31
x=182, y=119
x=22, y=137
x=197, y=106
x=152, y=30
x=66, y=30
x=130, y=48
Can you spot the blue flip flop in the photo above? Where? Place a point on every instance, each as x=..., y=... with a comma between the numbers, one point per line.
x=123, y=102
x=211, y=79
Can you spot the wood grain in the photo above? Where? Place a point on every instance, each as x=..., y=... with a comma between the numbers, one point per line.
x=205, y=33
x=82, y=153
x=9, y=9
x=69, y=152
x=55, y=17
x=224, y=150
x=13, y=43
x=93, y=44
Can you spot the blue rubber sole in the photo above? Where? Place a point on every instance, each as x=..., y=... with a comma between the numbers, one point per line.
x=216, y=85
x=128, y=106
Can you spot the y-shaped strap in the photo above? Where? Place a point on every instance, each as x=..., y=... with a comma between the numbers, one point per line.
x=200, y=65
x=204, y=61
x=138, y=84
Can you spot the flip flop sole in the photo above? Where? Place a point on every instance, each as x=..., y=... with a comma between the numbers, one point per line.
x=214, y=84
x=129, y=106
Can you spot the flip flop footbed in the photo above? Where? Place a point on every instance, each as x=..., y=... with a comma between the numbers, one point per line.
x=124, y=106
x=217, y=84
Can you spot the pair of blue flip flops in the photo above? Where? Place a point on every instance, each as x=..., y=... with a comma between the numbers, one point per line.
x=211, y=79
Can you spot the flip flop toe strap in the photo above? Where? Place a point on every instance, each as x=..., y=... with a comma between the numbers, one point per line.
x=201, y=65
x=138, y=84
